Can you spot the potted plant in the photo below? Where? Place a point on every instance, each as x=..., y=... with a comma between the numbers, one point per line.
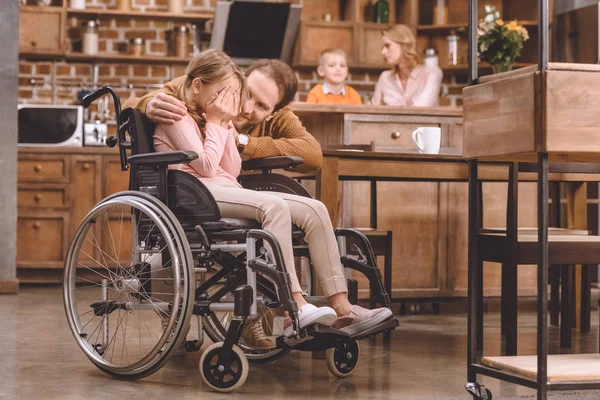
x=499, y=43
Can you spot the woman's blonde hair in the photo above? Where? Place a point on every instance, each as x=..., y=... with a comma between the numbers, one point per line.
x=210, y=66
x=403, y=35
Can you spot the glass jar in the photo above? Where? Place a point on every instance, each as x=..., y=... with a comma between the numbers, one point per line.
x=124, y=5
x=176, y=6
x=382, y=11
x=137, y=47
x=369, y=11
x=431, y=57
x=90, y=38
x=452, y=48
x=181, y=42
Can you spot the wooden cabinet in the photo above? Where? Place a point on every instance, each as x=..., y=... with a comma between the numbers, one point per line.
x=33, y=39
x=57, y=187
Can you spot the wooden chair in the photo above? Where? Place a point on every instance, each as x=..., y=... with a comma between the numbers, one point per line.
x=515, y=246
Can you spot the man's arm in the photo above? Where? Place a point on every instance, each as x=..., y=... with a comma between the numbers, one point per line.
x=169, y=110
x=290, y=138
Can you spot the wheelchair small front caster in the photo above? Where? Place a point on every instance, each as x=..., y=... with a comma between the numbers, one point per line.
x=223, y=377
x=342, y=358
x=479, y=392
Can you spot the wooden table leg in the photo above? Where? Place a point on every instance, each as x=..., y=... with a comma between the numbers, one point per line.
x=577, y=219
x=328, y=179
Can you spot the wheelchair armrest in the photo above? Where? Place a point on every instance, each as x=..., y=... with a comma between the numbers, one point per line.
x=269, y=163
x=163, y=158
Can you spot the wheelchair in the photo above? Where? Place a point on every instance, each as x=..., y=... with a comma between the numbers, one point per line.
x=145, y=261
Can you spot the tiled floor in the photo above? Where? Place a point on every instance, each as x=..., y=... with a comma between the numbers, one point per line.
x=39, y=359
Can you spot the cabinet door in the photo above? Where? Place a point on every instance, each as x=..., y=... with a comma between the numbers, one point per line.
x=32, y=38
x=85, y=193
x=114, y=179
x=116, y=225
x=318, y=36
x=42, y=239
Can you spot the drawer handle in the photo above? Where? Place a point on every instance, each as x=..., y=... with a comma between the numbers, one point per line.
x=33, y=43
x=37, y=168
x=36, y=225
x=37, y=198
x=395, y=135
x=85, y=166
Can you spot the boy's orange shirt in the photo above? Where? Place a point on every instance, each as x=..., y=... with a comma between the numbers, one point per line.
x=321, y=94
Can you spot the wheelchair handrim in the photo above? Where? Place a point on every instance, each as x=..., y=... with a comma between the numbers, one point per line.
x=164, y=227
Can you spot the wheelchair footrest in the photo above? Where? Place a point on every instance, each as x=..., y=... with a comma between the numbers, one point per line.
x=385, y=326
x=318, y=338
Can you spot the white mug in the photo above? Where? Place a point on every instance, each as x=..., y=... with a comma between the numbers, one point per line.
x=427, y=139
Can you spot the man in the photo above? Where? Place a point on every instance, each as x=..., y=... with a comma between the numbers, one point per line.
x=267, y=126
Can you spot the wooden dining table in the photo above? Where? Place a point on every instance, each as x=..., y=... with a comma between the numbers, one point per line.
x=355, y=165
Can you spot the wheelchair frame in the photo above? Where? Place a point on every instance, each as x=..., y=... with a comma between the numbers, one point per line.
x=185, y=207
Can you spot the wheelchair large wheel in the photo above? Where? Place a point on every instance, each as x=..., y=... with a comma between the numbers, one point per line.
x=128, y=290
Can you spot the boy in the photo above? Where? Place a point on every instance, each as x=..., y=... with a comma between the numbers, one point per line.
x=333, y=68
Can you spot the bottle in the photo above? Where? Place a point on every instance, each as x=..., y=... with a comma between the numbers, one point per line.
x=382, y=11
x=369, y=11
x=452, y=48
x=440, y=13
x=90, y=38
x=431, y=57
x=181, y=41
x=78, y=4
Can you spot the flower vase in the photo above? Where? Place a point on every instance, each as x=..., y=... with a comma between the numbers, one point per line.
x=502, y=67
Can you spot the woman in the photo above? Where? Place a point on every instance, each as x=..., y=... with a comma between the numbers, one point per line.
x=410, y=82
x=211, y=90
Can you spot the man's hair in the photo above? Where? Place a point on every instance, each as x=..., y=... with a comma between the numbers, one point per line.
x=327, y=52
x=283, y=76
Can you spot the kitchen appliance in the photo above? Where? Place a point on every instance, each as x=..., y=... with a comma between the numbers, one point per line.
x=252, y=29
x=94, y=133
x=50, y=125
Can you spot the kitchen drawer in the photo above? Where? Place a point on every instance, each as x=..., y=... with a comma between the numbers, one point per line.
x=391, y=134
x=41, y=237
x=43, y=169
x=42, y=197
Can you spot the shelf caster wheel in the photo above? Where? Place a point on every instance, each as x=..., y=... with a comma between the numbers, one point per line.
x=342, y=358
x=223, y=377
x=479, y=392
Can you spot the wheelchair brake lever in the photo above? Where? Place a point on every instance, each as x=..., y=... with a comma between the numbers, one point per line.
x=203, y=238
x=357, y=249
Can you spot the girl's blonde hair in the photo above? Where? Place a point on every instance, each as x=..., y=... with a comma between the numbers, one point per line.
x=210, y=66
x=402, y=35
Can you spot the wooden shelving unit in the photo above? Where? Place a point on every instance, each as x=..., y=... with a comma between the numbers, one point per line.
x=155, y=15
x=80, y=57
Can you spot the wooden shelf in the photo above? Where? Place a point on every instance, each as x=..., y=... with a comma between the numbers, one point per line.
x=157, y=15
x=127, y=58
x=437, y=29
x=30, y=54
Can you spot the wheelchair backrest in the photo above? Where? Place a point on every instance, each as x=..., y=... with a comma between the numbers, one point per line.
x=141, y=131
x=186, y=196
